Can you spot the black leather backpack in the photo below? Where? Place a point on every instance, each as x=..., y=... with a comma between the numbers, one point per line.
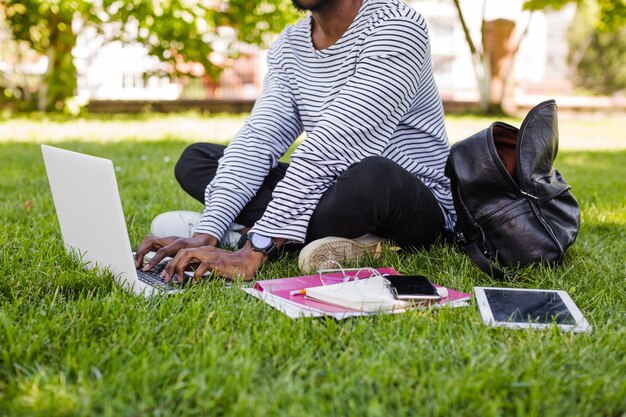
x=513, y=208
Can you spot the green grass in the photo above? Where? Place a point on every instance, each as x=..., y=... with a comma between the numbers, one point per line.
x=73, y=343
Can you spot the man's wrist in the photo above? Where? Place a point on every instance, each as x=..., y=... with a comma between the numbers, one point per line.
x=258, y=258
x=208, y=240
x=264, y=244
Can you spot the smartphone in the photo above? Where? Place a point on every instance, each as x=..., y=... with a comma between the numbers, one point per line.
x=412, y=287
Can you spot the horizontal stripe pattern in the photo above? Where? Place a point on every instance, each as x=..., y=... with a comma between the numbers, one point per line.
x=371, y=93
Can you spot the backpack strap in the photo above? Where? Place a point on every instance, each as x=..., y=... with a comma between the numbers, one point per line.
x=483, y=263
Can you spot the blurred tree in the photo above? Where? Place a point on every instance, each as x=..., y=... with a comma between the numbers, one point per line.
x=16, y=81
x=47, y=28
x=598, y=48
x=180, y=32
x=493, y=67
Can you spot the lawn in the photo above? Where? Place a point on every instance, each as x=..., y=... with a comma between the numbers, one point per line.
x=73, y=343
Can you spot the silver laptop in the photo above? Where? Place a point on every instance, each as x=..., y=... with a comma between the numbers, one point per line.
x=91, y=218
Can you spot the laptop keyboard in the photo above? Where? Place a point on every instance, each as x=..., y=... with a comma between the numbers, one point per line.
x=153, y=278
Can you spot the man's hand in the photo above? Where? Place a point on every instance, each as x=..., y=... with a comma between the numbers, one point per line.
x=241, y=264
x=169, y=246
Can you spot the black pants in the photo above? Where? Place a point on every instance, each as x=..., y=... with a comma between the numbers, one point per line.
x=375, y=195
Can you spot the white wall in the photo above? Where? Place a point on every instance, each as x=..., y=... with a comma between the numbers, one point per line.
x=542, y=54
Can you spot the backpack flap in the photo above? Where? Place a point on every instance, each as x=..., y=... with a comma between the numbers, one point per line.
x=537, y=149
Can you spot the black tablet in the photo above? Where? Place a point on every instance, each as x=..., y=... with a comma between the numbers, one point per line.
x=529, y=308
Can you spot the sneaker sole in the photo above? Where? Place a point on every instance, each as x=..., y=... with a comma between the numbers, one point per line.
x=336, y=249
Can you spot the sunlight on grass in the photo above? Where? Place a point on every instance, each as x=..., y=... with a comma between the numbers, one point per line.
x=44, y=395
x=583, y=132
x=191, y=127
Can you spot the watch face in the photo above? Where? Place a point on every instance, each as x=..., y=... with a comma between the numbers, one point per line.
x=260, y=242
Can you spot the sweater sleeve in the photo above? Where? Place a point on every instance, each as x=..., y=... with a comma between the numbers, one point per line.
x=272, y=127
x=359, y=123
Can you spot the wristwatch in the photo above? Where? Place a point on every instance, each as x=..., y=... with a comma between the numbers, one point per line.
x=263, y=244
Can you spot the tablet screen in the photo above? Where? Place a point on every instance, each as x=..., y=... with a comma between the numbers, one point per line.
x=528, y=306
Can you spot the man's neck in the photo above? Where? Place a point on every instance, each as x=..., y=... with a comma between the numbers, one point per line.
x=332, y=21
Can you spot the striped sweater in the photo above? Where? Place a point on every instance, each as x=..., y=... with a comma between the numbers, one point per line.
x=370, y=93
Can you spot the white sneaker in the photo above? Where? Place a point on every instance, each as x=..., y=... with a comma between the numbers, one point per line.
x=175, y=223
x=183, y=223
x=326, y=252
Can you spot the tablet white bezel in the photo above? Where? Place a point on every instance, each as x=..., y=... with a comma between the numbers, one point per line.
x=582, y=325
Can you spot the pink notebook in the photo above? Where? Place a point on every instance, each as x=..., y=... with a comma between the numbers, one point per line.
x=280, y=289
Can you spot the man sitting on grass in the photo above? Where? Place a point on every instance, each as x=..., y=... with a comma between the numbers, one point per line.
x=356, y=76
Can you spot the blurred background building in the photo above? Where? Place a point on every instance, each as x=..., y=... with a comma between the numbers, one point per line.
x=117, y=71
